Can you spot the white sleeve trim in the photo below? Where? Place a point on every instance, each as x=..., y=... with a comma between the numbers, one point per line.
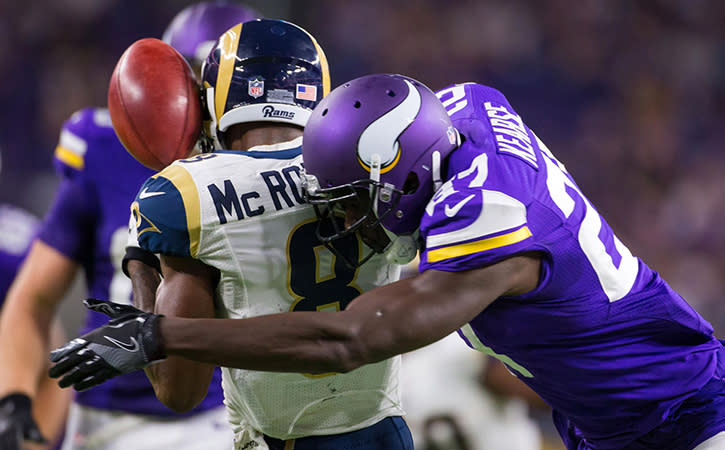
x=499, y=212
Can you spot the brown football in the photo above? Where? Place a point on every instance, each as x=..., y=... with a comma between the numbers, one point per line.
x=154, y=103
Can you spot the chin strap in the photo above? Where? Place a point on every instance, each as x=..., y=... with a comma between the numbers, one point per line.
x=401, y=249
x=436, y=169
x=374, y=176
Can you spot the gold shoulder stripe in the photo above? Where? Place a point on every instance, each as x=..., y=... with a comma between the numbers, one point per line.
x=69, y=157
x=481, y=245
x=181, y=179
x=229, y=42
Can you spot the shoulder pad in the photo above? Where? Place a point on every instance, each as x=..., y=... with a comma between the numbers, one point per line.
x=463, y=100
x=83, y=130
x=167, y=213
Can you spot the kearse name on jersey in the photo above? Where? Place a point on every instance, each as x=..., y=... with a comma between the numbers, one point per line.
x=510, y=133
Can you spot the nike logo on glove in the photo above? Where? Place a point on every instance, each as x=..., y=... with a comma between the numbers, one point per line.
x=129, y=347
x=450, y=212
x=146, y=194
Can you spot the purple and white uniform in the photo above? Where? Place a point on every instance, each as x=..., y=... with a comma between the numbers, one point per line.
x=603, y=339
x=88, y=222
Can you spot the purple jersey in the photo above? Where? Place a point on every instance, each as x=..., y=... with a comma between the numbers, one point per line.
x=88, y=222
x=17, y=228
x=603, y=339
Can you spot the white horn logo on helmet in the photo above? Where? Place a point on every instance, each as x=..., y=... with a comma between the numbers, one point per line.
x=381, y=137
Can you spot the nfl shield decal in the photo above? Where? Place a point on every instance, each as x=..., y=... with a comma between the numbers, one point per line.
x=256, y=87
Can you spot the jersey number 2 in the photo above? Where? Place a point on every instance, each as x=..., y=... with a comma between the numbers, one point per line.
x=611, y=260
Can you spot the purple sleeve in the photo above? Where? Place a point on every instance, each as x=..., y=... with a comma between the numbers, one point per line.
x=69, y=224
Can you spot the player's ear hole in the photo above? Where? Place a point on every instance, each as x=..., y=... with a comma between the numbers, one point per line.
x=411, y=183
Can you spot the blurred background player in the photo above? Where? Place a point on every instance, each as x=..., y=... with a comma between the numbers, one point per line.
x=86, y=228
x=47, y=418
x=451, y=402
x=237, y=240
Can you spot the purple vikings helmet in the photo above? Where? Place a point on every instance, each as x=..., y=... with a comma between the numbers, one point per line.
x=195, y=29
x=383, y=136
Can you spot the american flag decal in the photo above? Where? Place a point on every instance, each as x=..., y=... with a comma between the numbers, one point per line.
x=306, y=92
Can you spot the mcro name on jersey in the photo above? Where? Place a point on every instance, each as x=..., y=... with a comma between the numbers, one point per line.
x=510, y=133
x=269, y=111
x=283, y=187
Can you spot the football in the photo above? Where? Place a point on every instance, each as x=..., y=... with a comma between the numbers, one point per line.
x=154, y=103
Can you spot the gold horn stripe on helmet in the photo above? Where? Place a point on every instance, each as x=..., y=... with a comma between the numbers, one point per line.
x=383, y=169
x=229, y=42
x=323, y=66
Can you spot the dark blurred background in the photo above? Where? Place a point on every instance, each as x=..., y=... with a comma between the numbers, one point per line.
x=629, y=94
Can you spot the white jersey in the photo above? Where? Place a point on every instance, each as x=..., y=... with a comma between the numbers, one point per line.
x=242, y=212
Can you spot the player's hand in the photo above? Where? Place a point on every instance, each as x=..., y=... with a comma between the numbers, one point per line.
x=16, y=422
x=128, y=342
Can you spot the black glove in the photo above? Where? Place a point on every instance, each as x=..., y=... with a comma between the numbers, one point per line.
x=16, y=422
x=126, y=343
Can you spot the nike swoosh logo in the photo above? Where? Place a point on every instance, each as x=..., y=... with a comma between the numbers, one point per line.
x=146, y=194
x=129, y=347
x=450, y=212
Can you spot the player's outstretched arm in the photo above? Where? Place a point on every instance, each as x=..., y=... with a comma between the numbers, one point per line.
x=381, y=323
x=27, y=329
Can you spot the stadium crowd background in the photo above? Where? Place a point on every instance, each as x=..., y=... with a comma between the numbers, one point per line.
x=629, y=94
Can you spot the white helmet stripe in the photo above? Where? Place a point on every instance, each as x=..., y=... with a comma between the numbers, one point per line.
x=382, y=135
x=265, y=112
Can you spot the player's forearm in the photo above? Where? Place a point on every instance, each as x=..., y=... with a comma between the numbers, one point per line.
x=187, y=291
x=289, y=342
x=50, y=405
x=24, y=340
x=46, y=274
x=377, y=325
x=145, y=280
